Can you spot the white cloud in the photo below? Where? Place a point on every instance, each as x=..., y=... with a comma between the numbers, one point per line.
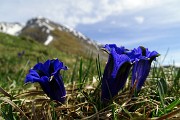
x=72, y=12
x=139, y=19
x=138, y=4
x=106, y=8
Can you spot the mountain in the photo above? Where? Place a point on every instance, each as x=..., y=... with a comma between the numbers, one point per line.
x=49, y=33
x=11, y=28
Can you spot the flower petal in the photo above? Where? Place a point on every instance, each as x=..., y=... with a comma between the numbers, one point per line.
x=45, y=85
x=111, y=47
x=58, y=89
x=140, y=72
x=38, y=66
x=32, y=77
x=55, y=88
x=142, y=65
x=121, y=78
x=48, y=76
x=46, y=68
x=152, y=55
x=105, y=90
x=114, y=76
x=118, y=60
x=40, y=69
x=58, y=66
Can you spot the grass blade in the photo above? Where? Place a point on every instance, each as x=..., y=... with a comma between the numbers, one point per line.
x=172, y=105
x=13, y=105
x=6, y=117
x=88, y=69
x=5, y=93
x=164, y=85
x=177, y=79
x=74, y=72
x=169, y=114
x=161, y=94
x=80, y=73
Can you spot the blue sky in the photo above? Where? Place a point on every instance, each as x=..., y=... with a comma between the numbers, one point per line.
x=151, y=23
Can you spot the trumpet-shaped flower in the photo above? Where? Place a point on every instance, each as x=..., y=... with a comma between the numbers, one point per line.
x=142, y=65
x=48, y=76
x=116, y=71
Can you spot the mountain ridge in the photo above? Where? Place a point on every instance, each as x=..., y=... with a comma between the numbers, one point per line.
x=57, y=35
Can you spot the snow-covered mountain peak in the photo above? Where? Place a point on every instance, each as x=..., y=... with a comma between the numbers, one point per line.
x=43, y=29
x=11, y=28
x=48, y=26
x=41, y=22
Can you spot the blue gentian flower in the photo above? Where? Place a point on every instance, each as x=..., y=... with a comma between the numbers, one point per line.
x=20, y=54
x=142, y=65
x=48, y=76
x=116, y=71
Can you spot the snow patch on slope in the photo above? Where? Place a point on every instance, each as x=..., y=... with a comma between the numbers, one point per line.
x=49, y=39
x=11, y=28
x=76, y=33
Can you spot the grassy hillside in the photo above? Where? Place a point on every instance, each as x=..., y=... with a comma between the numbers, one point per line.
x=19, y=54
x=70, y=44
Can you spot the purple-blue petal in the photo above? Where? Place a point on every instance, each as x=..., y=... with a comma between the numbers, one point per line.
x=46, y=68
x=48, y=76
x=118, y=60
x=111, y=47
x=58, y=66
x=32, y=77
x=139, y=50
x=115, y=75
x=38, y=66
x=142, y=65
x=54, y=88
x=45, y=85
x=60, y=93
x=152, y=55
x=133, y=55
x=121, y=78
x=140, y=72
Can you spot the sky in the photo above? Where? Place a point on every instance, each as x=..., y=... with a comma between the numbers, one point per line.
x=154, y=24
